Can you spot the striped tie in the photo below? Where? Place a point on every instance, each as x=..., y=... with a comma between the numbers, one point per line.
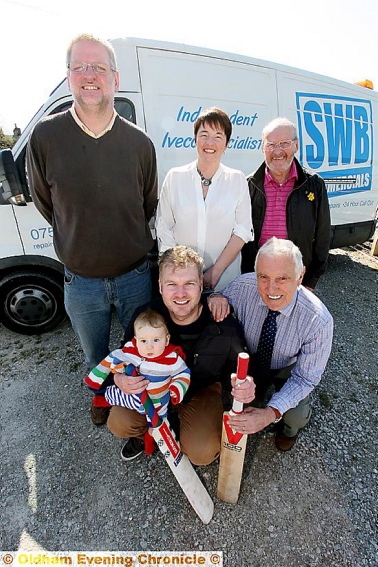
x=266, y=342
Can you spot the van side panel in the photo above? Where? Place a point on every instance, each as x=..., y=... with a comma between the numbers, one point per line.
x=177, y=86
x=336, y=140
x=36, y=233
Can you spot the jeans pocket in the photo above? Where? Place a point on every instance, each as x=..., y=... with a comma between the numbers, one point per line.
x=145, y=267
x=68, y=277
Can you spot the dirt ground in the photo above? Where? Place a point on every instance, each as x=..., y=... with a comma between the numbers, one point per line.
x=64, y=486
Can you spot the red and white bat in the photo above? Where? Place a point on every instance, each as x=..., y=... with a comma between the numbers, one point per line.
x=179, y=463
x=233, y=445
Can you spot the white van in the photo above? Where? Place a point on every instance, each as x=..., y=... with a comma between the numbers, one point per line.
x=163, y=88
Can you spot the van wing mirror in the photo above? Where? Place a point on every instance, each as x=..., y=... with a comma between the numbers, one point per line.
x=10, y=183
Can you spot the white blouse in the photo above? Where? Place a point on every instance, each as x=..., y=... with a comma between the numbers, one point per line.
x=206, y=225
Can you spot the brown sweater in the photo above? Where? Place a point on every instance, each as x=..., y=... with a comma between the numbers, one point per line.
x=97, y=194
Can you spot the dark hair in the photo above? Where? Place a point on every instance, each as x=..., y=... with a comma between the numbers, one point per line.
x=215, y=118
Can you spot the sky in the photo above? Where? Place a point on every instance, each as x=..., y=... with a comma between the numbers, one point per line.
x=338, y=38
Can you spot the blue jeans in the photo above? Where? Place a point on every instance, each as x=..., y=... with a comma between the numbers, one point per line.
x=89, y=302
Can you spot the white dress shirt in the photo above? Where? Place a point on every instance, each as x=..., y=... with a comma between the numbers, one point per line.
x=206, y=225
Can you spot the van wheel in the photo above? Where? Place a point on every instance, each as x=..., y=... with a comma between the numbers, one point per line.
x=31, y=303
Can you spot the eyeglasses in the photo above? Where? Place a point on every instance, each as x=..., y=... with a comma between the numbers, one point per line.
x=284, y=145
x=97, y=68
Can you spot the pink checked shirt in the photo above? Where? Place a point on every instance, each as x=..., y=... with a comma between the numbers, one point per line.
x=276, y=197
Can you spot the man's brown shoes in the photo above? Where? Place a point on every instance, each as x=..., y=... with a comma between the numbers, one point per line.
x=285, y=443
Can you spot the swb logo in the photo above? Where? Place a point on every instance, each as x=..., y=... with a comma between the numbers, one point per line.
x=336, y=140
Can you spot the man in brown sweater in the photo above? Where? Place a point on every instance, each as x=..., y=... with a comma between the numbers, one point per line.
x=93, y=177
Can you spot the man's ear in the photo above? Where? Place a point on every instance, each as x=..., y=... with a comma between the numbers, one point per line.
x=159, y=282
x=301, y=276
x=116, y=81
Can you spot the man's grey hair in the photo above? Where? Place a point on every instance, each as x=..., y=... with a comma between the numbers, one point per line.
x=277, y=123
x=90, y=37
x=275, y=247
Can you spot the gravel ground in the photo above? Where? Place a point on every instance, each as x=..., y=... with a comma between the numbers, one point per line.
x=64, y=486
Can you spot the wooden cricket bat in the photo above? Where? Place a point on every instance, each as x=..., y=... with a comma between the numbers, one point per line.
x=233, y=445
x=179, y=463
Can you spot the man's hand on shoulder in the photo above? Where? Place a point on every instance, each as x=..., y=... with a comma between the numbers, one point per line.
x=219, y=306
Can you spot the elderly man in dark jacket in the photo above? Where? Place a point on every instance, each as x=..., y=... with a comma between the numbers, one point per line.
x=288, y=202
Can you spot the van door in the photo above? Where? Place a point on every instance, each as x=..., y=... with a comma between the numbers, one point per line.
x=11, y=238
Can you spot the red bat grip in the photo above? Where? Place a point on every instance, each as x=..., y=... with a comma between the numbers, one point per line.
x=241, y=374
x=242, y=367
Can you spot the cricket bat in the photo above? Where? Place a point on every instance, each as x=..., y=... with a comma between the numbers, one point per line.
x=233, y=445
x=179, y=463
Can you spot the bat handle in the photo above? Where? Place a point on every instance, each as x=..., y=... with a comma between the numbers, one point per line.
x=242, y=367
x=241, y=375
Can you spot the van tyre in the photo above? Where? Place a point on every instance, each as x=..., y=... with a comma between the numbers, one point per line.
x=31, y=303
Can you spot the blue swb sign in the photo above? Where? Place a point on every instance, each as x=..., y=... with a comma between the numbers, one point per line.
x=336, y=140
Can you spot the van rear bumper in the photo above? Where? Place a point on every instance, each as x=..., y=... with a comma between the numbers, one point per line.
x=352, y=234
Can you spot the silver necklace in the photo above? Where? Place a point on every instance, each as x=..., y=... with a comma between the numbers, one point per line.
x=206, y=182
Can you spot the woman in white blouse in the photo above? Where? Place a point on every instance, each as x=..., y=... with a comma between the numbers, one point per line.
x=206, y=205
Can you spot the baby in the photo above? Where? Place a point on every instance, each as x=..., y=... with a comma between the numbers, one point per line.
x=150, y=355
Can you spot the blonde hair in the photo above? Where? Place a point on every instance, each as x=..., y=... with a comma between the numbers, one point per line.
x=151, y=318
x=90, y=37
x=181, y=257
